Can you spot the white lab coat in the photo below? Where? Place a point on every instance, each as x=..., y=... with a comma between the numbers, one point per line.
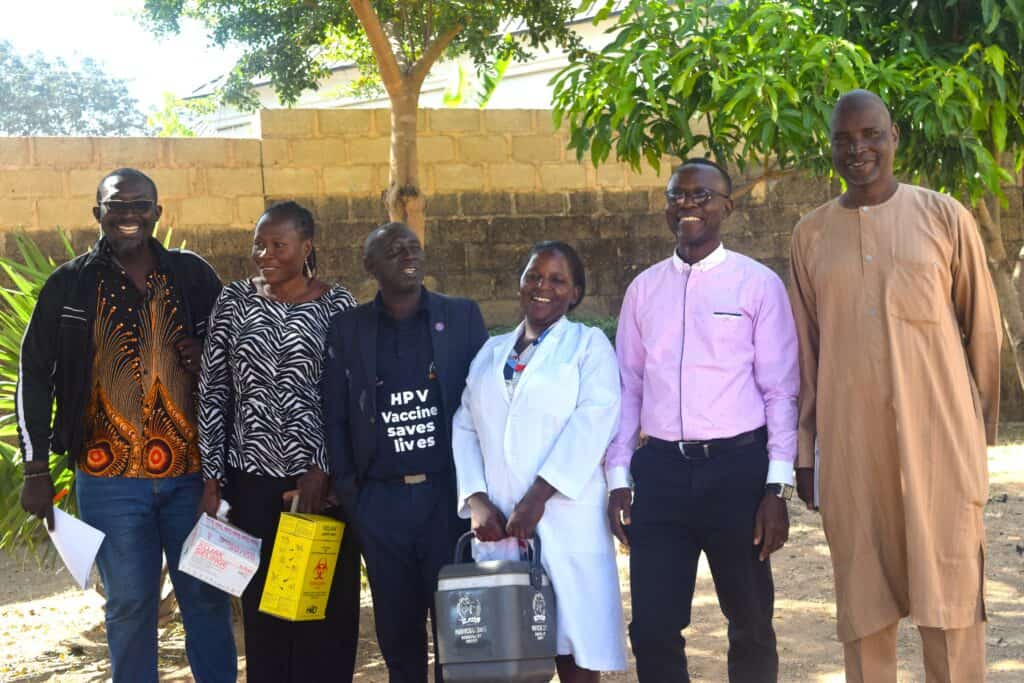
x=557, y=425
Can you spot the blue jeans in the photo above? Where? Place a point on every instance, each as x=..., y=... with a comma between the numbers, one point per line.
x=142, y=519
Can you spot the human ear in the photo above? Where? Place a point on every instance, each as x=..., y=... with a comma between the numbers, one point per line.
x=729, y=206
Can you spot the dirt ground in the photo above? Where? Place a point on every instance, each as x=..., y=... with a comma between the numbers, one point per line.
x=52, y=631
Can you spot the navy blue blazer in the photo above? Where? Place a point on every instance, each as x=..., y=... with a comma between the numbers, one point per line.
x=348, y=387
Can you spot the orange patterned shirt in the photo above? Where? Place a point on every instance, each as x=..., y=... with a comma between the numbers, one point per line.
x=140, y=420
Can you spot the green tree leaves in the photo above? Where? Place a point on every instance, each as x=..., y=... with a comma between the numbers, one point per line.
x=742, y=82
x=48, y=97
x=295, y=43
x=753, y=83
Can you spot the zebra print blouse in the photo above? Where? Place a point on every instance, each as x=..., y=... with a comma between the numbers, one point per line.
x=259, y=395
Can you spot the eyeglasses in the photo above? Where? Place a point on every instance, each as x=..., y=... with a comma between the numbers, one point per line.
x=699, y=196
x=133, y=206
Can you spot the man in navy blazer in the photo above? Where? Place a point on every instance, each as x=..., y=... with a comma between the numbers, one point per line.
x=394, y=376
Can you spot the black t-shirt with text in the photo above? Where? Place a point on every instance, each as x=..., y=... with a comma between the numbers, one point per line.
x=411, y=434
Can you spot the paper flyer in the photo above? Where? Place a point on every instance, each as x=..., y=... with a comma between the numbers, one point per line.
x=77, y=543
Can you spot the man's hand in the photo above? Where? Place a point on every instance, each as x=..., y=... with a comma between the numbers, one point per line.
x=805, y=486
x=771, y=525
x=37, y=494
x=190, y=353
x=210, y=501
x=312, y=490
x=620, y=507
x=486, y=520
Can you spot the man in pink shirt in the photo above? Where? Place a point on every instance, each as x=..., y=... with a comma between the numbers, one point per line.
x=708, y=360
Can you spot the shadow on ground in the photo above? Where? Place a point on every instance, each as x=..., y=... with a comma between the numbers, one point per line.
x=51, y=631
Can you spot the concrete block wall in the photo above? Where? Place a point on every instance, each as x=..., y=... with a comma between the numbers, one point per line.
x=317, y=152
x=203, y=183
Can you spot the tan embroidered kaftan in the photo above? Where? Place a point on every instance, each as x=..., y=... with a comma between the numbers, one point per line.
x=899, y=333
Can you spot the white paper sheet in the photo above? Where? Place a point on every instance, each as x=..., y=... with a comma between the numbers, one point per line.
x=77, y=543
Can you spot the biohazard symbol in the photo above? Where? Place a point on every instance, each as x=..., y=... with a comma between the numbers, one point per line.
x=319, y=569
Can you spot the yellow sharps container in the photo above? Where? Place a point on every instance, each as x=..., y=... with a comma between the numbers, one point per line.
x=302, y=566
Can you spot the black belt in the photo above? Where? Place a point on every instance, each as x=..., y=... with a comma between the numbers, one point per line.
x=697, y=451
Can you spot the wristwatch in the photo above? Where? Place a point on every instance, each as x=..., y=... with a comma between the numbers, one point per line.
x=783, y=491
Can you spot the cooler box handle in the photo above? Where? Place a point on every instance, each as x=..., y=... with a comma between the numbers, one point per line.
x=536, y=569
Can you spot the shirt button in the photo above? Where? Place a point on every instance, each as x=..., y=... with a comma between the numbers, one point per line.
x=871, y=311
x=868, y=258
x=373, y=420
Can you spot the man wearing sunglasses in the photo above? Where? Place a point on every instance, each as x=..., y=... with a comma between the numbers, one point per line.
x=708, y=362
x=116, y=338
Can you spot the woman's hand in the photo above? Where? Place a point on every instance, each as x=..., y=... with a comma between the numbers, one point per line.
x=522, y=523
x=486, y=520
x=211, y=498
x=312, y=487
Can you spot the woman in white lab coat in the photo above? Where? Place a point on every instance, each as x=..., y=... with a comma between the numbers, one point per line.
x=541, y=405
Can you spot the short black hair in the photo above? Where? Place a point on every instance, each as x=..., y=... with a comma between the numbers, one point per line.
x=701, y=161
x=380, y=230
x=299, y=215
x=579, y=275
x=126, y=173
x=301, y=218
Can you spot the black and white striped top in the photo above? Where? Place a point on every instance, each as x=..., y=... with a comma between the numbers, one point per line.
x=259, y=394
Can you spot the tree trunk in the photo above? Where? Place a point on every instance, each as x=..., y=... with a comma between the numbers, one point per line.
x=404, y=198
x=1006, y=276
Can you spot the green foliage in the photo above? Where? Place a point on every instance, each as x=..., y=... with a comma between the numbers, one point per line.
x=17, y=528
x=44, y=97
x=745, y=82
x=964, y=62
x=26, y=275
x=753, y=83
x=487, y=81
x=490, y=76
x=455, y=92
x=178, y=116
x=295, y=43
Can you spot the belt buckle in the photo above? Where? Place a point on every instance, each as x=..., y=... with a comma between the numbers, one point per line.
x=414, y=478
x=703, y=450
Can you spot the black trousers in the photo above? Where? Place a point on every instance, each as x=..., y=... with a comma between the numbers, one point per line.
x=281, y=651
x=681, y=508
x=408, y=532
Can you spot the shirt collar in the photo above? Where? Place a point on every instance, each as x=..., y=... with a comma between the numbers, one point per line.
x=713, y=259
x=378, y=302
x=101, y=252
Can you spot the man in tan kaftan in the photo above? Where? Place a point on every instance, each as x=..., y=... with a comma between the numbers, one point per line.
x=899, y=333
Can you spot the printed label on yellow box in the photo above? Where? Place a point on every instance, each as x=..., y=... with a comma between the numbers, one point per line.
x=302, y=567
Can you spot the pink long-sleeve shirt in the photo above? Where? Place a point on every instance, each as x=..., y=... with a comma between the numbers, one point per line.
x=707, y=351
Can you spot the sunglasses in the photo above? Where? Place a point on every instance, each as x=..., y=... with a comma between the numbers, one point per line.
x=699, y=196
x=133, y=206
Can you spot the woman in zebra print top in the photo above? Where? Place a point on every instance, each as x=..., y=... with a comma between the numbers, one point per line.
x=261, y=436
